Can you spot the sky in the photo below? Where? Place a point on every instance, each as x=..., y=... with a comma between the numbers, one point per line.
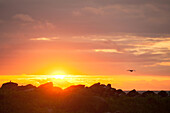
x=85, y=37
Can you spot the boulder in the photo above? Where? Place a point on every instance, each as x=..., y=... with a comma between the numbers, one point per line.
x=133, y=93
x=119, y=92
x=87, y=104
x=148, y=93
x=28, y=87
x=48, y=85
x=163, y=94
x=9, y=85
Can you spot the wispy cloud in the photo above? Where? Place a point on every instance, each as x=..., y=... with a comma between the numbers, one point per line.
x=23, y=17
x=107, y=50
x=43, y=25
x=97, y=11
x=115, y=16
x=163, y=44
x=164, y=63
x=159, y=64
x=106, y=31
x=45, y=38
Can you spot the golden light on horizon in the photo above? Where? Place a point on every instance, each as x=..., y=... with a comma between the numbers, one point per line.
x=59, y=74
x=118, y=81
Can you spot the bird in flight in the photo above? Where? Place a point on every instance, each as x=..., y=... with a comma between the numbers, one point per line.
x=131, y=70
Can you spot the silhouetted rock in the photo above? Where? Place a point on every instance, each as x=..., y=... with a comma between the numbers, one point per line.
x=119, y=92
x=103, y=90
x=75, y=87
x=79, y=99
x=148, y=93
x=97, y=88
x=87, y=104
x=103, y=85
x=163, y=93
x=48, y=88
x=9, y=85
x=1, y=96
x=28, y=87
x=132, y=93
x=96, y=85
x=109, y=91
x=46, y=85
x=117, y=112
x=108, y=86
x=112, y=91
x=168, y=93
x=57, y=89
x=79, y=89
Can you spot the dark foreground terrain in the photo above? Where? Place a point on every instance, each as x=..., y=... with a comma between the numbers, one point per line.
x=98, y=98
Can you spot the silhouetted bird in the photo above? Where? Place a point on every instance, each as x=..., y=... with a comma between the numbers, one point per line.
x=131, y=70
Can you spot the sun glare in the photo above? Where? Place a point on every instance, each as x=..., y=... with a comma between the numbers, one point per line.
x=59, y=74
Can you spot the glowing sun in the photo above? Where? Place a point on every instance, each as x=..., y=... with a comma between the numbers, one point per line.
x=59, y=74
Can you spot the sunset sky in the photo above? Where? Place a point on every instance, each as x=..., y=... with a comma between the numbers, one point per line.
x=87, y=37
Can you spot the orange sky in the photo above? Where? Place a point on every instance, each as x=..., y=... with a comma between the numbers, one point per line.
x=91, y=37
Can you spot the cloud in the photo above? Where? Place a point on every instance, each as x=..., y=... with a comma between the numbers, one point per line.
x=76, y=13
x=45, y=38
x=107, y=50
x=93, y=16
x=89, y=30
x=146, y=45
x=23, y=17
x=162, y=44
x=97, y=11
x=164, y=63
x=44, y=25
x=119, y=49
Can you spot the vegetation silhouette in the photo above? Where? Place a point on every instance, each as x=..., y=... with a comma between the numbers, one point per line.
x=98, y=98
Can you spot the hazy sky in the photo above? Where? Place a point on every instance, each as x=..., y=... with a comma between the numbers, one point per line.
x=103, y=37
